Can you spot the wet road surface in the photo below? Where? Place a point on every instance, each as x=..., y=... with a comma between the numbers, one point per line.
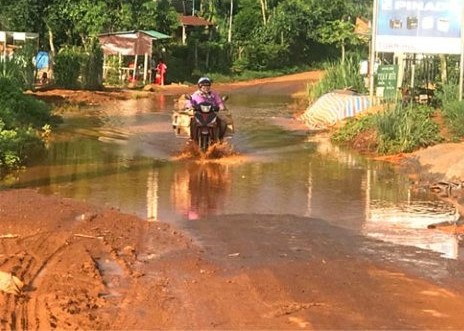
x=125, y=156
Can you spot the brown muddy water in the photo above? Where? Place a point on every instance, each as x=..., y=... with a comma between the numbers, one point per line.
x=126, y=156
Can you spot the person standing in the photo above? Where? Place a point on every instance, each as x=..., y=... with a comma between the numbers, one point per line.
x=161, y=69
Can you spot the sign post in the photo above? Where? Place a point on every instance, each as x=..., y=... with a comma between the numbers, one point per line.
x=372, y=52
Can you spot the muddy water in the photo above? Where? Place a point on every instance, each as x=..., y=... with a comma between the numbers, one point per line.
x=126, y=156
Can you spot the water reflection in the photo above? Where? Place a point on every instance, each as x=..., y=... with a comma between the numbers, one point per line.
x=405, y=223
x=200, y=189
x=393, y=212
x=152, y=195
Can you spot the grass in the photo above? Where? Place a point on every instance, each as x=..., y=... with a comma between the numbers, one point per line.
x=397, y=130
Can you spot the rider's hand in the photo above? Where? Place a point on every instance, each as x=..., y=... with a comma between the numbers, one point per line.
x=189, y=111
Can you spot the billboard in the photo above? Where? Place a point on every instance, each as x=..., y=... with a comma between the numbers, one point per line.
x=419, y=26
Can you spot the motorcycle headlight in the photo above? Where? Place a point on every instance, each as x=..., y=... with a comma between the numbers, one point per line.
x=205, y=108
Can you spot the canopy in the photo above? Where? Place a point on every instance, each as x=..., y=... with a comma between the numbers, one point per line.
x=135, y=42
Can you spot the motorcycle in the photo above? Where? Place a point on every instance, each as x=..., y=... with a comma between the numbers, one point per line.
x=203, y=118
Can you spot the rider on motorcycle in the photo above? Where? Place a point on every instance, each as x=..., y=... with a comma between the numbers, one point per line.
x=204, y=94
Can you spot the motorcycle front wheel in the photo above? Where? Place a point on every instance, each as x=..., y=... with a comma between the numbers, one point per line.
x=203, y=142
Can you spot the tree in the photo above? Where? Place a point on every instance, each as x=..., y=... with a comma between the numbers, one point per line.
x=339, y=32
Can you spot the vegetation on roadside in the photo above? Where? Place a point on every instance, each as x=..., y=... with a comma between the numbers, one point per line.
x=397, y=128
x=451, y=108
x=24, y=122
x=338, y=75
x=245, y=38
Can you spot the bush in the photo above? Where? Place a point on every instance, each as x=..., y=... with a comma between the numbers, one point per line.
x=19, y=110
x=398, y=129
x=405, y=129
x=67, y=68
x=17, y=147
x=21, y=120
x=453, y=112
x=92, y=66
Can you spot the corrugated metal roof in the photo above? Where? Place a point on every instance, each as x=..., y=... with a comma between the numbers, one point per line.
x=155, y=34
x=194, y=21
x=152, y=33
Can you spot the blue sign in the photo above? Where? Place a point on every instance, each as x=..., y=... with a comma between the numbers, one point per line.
x=419, y=26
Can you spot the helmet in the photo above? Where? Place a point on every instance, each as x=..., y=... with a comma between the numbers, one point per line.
x=204, y=81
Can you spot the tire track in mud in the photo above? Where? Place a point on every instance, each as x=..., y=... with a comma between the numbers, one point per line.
x=28, y=266
x=76, y=299
x=37, y=260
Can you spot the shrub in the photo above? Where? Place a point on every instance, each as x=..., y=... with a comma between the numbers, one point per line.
x=67, y=67
x=21, y=120
x=92, y=66
x=405, y=129
x=398, y=130
x=453, y=112
x=17, y=147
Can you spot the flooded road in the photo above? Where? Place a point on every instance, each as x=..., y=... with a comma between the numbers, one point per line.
x=125, y=156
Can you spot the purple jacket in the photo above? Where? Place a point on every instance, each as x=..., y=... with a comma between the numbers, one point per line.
x=199, y=97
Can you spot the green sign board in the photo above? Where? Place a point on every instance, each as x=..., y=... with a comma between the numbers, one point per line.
x=387, y=81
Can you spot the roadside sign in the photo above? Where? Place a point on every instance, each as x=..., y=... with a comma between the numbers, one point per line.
x=387, y=81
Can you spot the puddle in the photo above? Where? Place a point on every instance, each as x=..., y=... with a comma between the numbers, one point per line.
x=112, y=275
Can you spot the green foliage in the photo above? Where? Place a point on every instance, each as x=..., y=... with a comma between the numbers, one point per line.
x=262, y=57
x=453, y=112
x=179, y=69
x=19, y=69
x=92, y=66
x=112, y=71
x=405, y=129
x=247, y=19
x=68, y=67
x=23, y=58
x=19, y=110
x=446, y=97
x=22, y=117
x=11, y=71
x=17, y=146
x=398, y=130
x=446, y=93
x=353, y=127
x=158, y=15
x=339, y=32
x=266, y=35
x=338, y=76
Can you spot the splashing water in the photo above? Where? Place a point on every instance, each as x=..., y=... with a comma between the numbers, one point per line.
x=216, y=151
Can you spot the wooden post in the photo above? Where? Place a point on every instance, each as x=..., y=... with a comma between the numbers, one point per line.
x=134, y=73
x=119, y=68
x=461, y=69
x=184, y=34
x=372, y=52
x=145, y=68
